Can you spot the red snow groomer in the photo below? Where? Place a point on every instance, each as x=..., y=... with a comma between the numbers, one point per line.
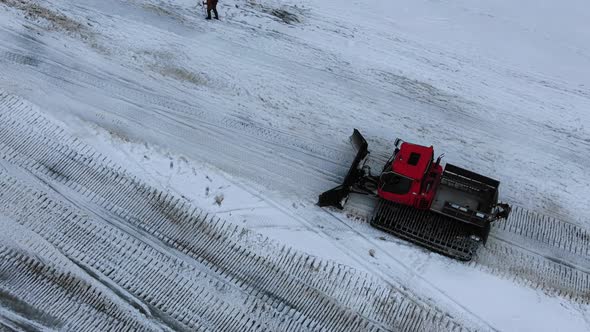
x=448, y=211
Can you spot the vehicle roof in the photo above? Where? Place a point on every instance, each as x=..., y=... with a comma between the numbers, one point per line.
x=412, y=160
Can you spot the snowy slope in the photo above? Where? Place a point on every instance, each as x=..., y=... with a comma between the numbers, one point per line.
x=253, y=112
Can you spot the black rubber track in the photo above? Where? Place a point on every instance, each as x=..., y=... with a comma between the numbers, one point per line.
x=428, y=229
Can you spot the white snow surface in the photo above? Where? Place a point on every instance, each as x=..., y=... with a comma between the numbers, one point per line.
x=247, y=117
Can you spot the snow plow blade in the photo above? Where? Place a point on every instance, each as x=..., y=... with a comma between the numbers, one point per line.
x=428, y=229
x=337, y=196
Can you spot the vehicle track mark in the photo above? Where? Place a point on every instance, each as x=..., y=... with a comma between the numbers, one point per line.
x=51, y=157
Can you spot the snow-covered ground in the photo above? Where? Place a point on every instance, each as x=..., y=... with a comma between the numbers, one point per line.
x=248, y=118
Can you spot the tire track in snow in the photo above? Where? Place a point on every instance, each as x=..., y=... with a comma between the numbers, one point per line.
x=171, y=116
x=546, y=230
x=168, y=219
x=129, y=91
x=161, y=285
x=32, y=285
x=62, y=75
x=528, y=224
x=165, y=286
x=273, y=136
x=571, y=284
x=541, y=230
x=545, y=236
x=553, y=275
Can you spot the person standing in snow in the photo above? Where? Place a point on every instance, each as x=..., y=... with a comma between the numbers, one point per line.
x=212, y=6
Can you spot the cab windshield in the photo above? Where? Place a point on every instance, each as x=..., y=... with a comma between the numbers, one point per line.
x=395, y=183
